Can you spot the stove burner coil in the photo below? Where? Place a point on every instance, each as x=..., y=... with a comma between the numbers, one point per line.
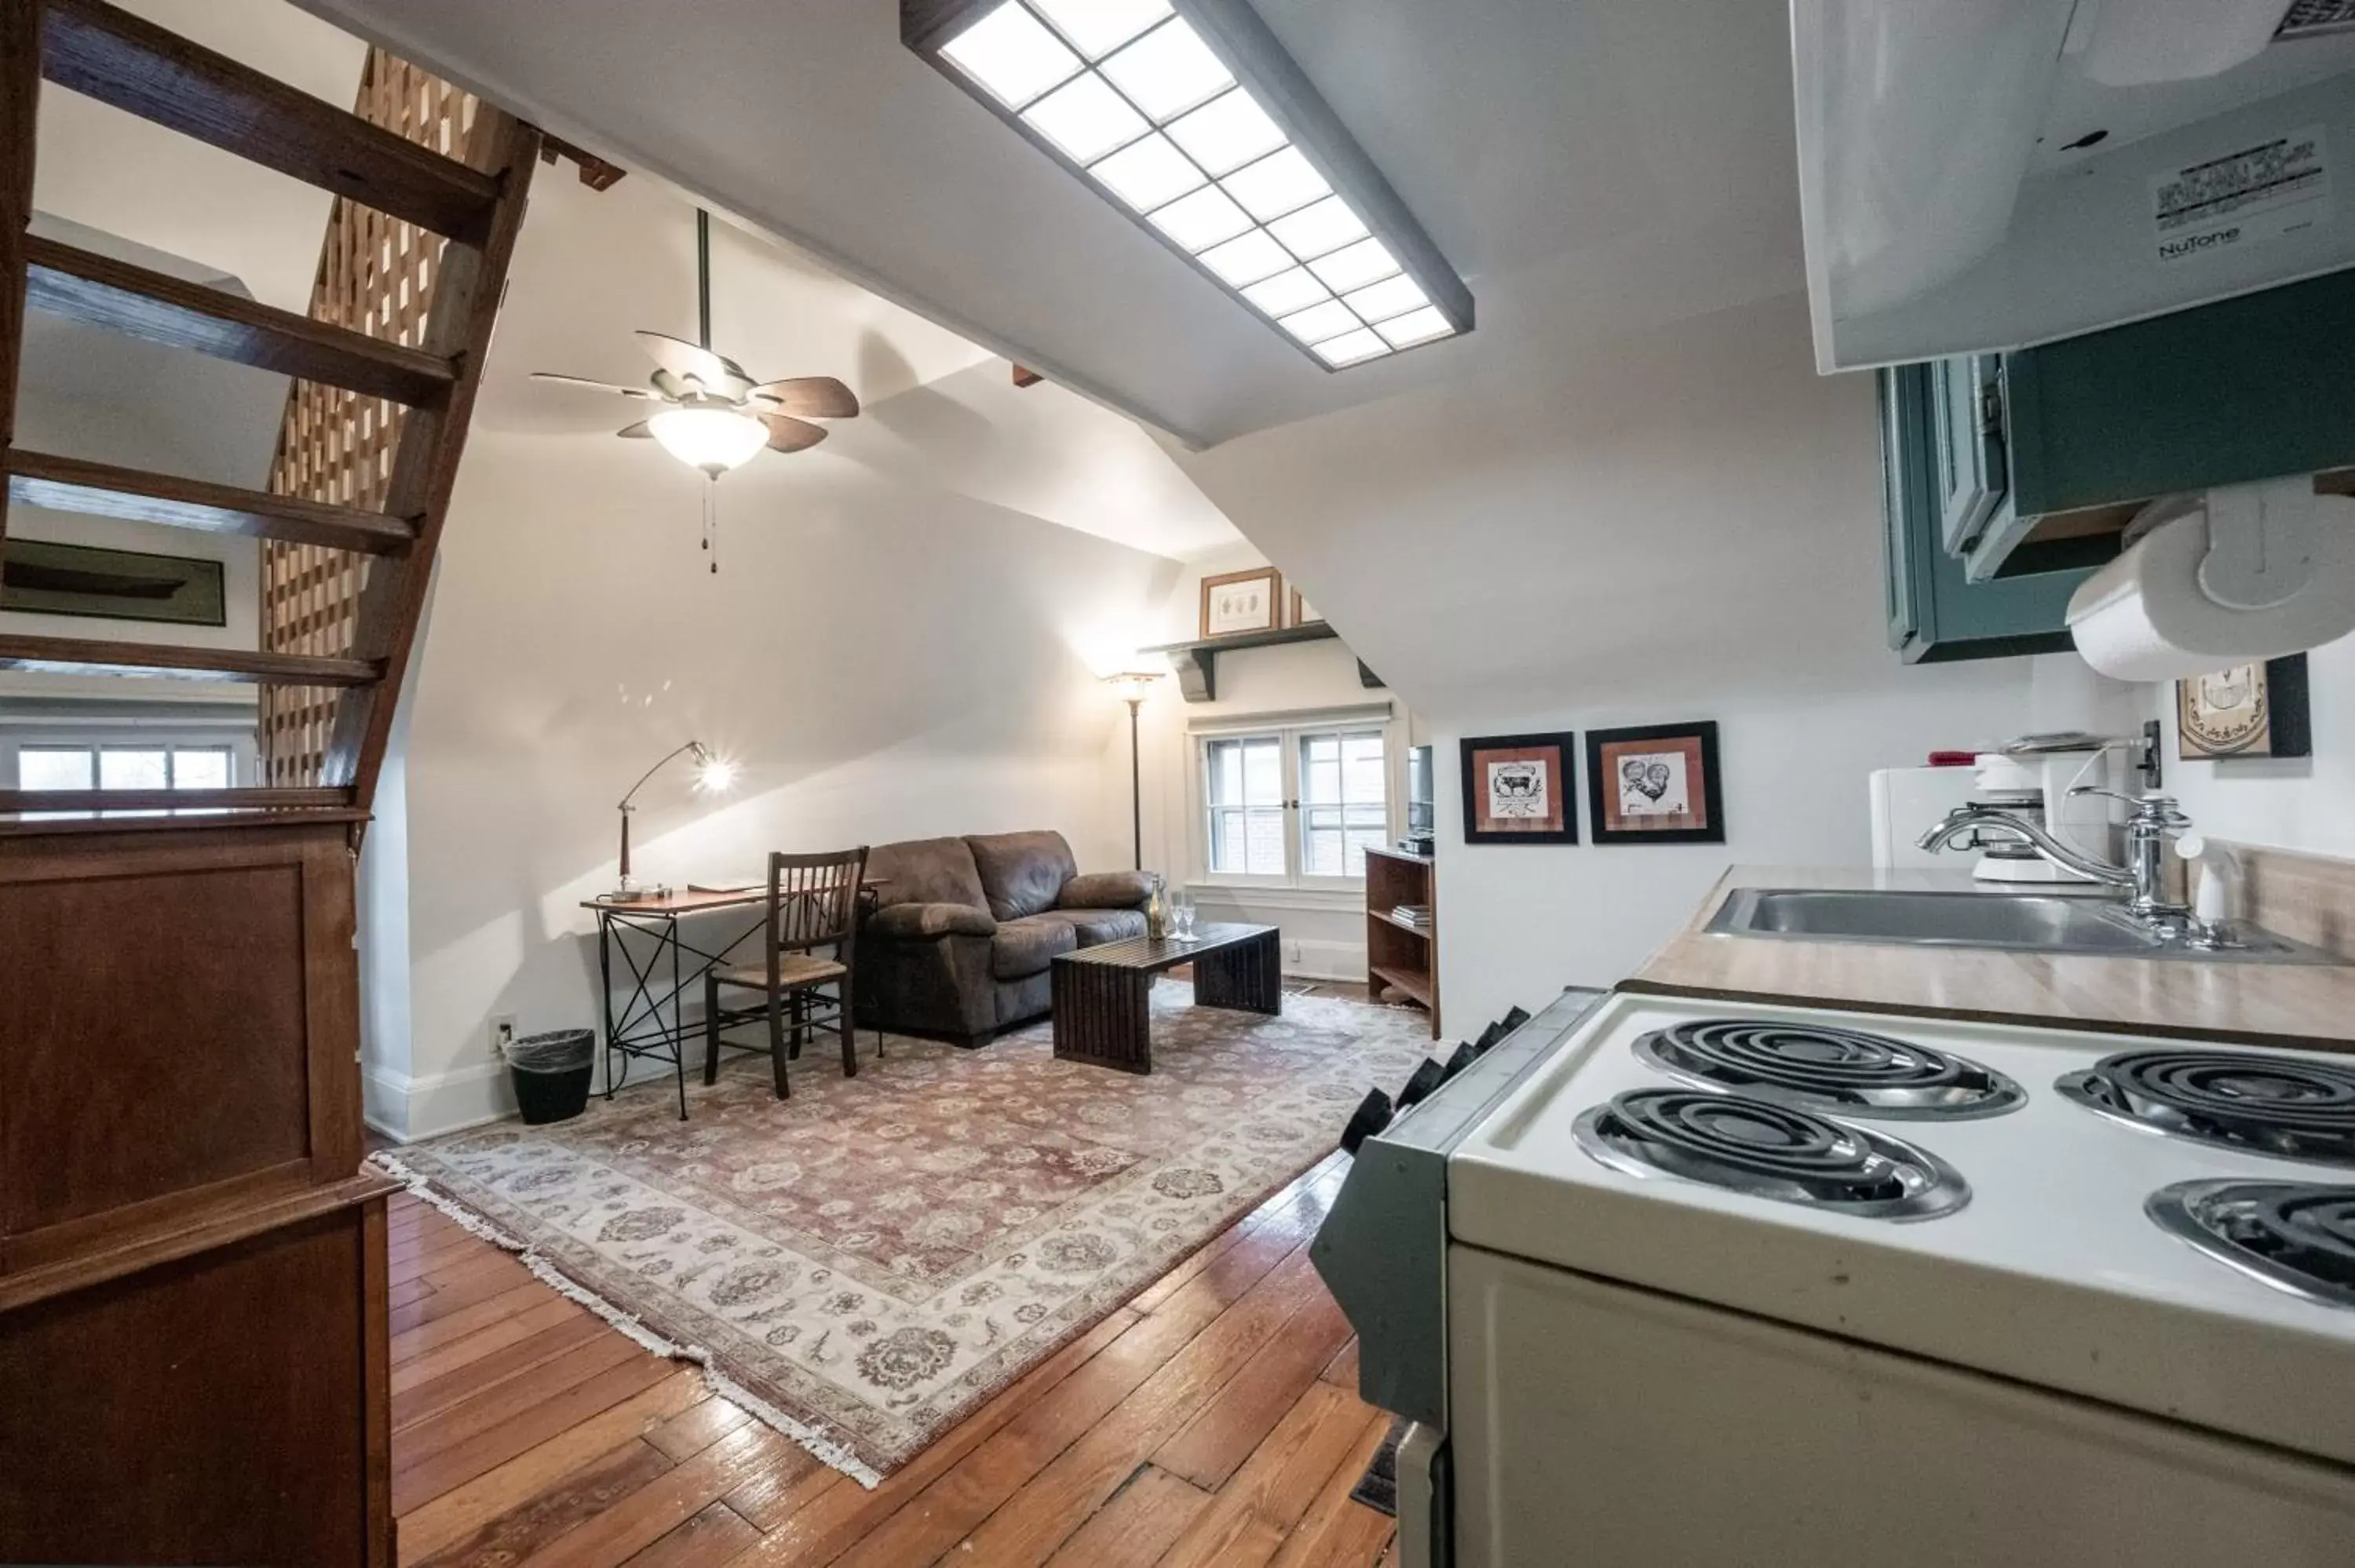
x=2295, y=1236
x=1769, y=1151
x=1819, y=1067
x=2287, y=1106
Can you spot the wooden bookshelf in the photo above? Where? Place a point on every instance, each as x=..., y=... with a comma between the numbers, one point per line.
x=1402, y=958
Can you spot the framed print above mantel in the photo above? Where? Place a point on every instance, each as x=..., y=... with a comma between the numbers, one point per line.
x=1655, y=784
x=1521, y=788
x=1235, y=604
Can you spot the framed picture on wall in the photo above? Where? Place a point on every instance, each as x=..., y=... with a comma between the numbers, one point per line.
x=2249, y=710
x=1236, y=603
x=1656, y=784
x=1521, y=788
x=1303, y=612
x=47, y=579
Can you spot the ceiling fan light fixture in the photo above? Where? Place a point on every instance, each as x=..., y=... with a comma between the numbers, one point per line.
x=1190, y=118
x=712, y=440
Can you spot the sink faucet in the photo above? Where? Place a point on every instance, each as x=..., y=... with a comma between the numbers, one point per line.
x=2155, y=821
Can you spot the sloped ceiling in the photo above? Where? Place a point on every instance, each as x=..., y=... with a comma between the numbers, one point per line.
x=1587, y=165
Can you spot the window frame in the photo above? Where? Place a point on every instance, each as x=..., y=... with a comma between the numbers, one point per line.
x=1289, y=731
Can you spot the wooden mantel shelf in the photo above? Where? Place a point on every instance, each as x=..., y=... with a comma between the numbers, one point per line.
x=1197, y=662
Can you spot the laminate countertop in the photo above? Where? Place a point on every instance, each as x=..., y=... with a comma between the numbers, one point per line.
x=2304, y=1005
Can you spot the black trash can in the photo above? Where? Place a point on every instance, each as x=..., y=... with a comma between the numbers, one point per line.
x=551, y=1074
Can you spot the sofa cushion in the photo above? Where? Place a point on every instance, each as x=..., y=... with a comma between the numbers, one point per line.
x=1107, y=890
x=921, y=922
x=1026, y=947
x=1022, y=872
x=1096, y=926
x=925, y=871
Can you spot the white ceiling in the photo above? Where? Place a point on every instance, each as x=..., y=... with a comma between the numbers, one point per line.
x=1588, y=166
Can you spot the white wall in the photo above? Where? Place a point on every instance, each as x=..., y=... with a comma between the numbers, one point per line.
x=1679, y=524
x=2290, y=802
x=881, y=654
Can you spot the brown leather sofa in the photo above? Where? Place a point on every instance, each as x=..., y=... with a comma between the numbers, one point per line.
x=966, y=930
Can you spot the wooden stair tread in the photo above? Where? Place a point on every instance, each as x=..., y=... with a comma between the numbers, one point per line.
x=68, y=281
x=137, y=67
x=255, y=796
x=82, y=656
x=71, y=484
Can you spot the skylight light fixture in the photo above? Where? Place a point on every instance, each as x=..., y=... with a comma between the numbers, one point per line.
x=1188, y=116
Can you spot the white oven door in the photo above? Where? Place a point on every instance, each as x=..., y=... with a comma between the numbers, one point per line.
x=1596, y=1423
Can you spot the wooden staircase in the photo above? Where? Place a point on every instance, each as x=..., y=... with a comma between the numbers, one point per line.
x=92, y=48
x=193, y=1297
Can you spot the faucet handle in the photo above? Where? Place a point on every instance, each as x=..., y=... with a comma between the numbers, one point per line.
x=2150, y=811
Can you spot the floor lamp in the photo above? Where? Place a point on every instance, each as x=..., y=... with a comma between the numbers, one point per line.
x=1132, y=685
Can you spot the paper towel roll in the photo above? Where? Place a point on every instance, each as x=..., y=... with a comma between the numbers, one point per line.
x=2143, y=617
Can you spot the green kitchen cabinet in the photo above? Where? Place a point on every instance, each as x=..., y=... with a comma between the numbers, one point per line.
x=1966, y=451
x=1935, y=612
x=2090, y=429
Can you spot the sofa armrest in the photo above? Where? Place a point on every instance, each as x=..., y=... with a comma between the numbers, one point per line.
x=1107, y=890
x=918, y=922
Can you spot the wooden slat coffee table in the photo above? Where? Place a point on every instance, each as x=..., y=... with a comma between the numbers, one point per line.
x=1103, y=1012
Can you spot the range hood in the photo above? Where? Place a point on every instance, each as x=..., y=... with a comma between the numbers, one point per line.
x=1986, y=175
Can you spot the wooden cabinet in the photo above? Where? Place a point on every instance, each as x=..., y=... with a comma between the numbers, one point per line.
x=193, y=1359
x=1402, y=956
x=1935, y=612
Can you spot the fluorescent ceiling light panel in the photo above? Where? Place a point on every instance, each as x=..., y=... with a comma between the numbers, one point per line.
x=1010, y=52
x=1148, y=173
x=1313, y=231
x=1248, y=260
x=1282, y=182
x=1367, y=261
x=1167, y=71
x=1086, y=119
x=1227, y=133
x=1186, y=113
x=1319, y=322
x=1351, y=347
x=1392, y=296
x=1100, y=26
x=1421, y=326
x=1286, y=292
x=1199, y=221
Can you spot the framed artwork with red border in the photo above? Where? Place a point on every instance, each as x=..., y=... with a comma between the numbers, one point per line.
x=1655, y=784
x=1521, y=788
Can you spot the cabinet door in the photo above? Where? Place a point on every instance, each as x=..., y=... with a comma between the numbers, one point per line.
x=1966, y=410
x=1901, y=464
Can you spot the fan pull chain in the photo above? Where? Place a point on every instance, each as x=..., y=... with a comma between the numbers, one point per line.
x=711, y=523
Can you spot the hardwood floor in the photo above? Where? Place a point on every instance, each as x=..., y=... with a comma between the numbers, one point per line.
x=1213, y=1420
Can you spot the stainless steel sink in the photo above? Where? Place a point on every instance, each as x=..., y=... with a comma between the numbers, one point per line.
x=2028, y=922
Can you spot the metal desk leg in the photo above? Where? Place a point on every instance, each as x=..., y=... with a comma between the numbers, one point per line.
x=605, y=989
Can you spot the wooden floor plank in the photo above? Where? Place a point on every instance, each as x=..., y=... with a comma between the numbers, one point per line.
x=715, y=1535
x=460, y=1294
x=470, y=1348
x=1246, y=1524
x=481, y=1376
x=698, y=1428
x=636, y=1522
x=556, y=1509
x=1136, y=1524
x=1028, y=1526
x=1214, y=1444
x=458, y=1513
x=478, y=1436
x=410, y=1343
x=1339, y=1531
x=1341, y=1372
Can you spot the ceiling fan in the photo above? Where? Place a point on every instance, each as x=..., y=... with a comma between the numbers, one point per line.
x=715, y=416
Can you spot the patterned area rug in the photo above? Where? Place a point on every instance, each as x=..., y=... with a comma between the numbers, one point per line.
x=871, y=1260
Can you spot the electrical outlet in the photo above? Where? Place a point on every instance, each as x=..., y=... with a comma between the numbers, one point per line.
x=503, y=1034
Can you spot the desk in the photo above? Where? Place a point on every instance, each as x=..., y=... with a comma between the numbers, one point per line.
x=651, y=1022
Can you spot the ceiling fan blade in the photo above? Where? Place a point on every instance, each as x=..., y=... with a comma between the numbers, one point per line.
x=637, y=432
x=593, y=386
x=809, y=398
x=722, y=377
x=790, y=435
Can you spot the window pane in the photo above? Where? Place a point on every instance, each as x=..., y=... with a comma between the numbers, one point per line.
x=1342, y=801
x=1262, y=773
x=200, y=767
x=121, y=768
x=55, y=768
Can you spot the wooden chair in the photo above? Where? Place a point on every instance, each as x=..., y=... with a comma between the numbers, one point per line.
x=813, y=904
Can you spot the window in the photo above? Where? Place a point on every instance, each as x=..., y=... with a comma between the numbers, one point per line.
x=123, y=768
x=1293, y=807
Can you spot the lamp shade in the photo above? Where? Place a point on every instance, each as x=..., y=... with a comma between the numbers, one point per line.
x=1132, y=685
x=713, y=439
